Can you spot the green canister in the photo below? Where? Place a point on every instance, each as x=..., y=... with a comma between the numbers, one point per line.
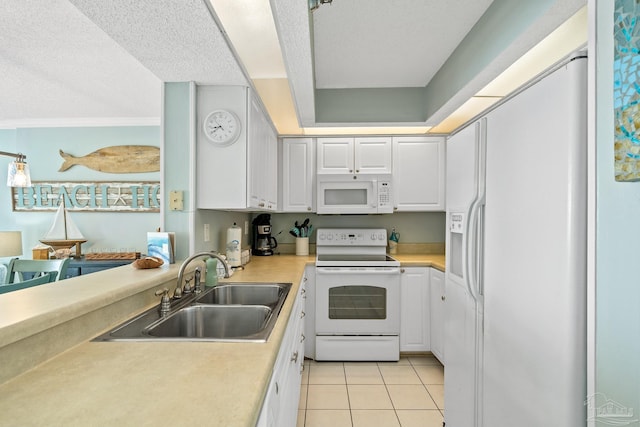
x=211, y=278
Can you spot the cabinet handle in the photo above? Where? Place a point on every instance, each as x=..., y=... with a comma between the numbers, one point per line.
x=261, y=205
x=302, y=314
x=309, y=208
x=294, y=358
x=402, y=270
x=442, y=298
x=277, y=388
x=302, y=337
x=357, y=170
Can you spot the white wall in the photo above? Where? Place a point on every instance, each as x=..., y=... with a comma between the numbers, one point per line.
x=618, y=244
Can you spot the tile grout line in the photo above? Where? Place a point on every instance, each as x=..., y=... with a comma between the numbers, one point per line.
x=346, y=384
x=395, y=411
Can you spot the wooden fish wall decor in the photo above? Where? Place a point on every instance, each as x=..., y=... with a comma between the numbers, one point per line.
x=117, y=159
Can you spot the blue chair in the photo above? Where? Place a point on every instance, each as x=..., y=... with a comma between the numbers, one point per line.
x=40, y=280
x=24, y=269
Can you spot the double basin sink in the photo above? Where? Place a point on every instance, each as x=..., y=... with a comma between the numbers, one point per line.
x=233, y=312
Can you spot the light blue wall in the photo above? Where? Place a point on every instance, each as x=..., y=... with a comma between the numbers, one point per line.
x=176, y=159
x=103, y=230
x=618, y=245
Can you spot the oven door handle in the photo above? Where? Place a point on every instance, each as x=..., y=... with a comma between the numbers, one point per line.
x=320, y=270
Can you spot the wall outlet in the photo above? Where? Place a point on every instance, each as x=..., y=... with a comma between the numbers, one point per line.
x=207, y=233
x=246, y=228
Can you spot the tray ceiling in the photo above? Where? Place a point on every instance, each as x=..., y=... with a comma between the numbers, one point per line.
x=86, y=60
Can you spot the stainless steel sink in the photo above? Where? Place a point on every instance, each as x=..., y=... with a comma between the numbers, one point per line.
x=245, y=293
x=233, y=312
x=214, y=322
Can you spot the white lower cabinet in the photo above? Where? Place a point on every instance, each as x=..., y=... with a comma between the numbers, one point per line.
x=415, y=329
x=310, y=309
x=437, y=313
x=280, y=407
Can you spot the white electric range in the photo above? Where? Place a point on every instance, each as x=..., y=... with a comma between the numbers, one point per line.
x=357, y=296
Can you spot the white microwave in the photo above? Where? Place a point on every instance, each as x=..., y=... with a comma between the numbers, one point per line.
x=354, y=194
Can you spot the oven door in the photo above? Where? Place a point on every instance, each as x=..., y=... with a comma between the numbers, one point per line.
x=357, y=300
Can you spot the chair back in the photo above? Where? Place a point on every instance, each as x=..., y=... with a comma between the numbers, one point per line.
x=40, y=280
x=25, y=269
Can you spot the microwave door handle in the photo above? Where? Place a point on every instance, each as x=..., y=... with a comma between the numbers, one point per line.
x=374, y=184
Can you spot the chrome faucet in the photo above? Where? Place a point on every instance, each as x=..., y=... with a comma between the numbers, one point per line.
x=177, y=293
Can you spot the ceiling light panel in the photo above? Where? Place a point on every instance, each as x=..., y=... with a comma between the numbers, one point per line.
x=249, y=25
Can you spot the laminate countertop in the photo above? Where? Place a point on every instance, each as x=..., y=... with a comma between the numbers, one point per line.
x=135, y=383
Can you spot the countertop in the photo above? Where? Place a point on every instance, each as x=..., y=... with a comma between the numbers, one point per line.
x=142, y=383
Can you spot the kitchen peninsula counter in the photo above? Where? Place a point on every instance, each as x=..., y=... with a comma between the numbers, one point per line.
x=138, y=383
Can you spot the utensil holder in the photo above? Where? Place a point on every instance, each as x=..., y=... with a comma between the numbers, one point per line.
x=302, y=246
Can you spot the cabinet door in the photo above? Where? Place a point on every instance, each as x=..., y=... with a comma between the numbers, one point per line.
x=221, y=172
x=335, y=155
x=419, y=173
x=415, y=306
x=256, y=153
x=437, y=313
x=372, y=155
x=271, y=171
x=262, y=154
x=310, y=309
x=297, y=174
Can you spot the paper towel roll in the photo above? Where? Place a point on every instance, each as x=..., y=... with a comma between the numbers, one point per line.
x=234, y=237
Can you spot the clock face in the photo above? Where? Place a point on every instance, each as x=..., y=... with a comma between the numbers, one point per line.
x=222, y=127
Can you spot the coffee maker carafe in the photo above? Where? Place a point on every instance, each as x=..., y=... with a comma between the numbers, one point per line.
x=263, y=242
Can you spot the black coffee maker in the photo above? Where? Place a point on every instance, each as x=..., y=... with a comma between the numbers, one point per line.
x=263, y=242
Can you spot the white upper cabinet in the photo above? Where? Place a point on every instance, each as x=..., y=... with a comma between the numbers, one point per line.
x=298, y=172
x=238, y=173
x=263, y=152
x=362, y=155
x=419, y=173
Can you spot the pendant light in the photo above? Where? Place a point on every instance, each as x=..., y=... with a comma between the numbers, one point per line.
x=18, y=174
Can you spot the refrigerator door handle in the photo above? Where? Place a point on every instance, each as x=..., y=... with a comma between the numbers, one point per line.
x=482, y=197
x=471, y=228
x=472, y=252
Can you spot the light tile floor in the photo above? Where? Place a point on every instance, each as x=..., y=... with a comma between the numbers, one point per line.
x=407, y=393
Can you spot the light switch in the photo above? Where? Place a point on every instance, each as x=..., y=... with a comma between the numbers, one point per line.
x=176, y=202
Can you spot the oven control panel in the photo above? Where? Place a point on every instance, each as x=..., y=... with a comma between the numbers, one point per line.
x=351, y=237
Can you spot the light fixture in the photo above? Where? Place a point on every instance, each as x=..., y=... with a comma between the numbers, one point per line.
x=10, y=243
x=314, y=4
x=18, y=175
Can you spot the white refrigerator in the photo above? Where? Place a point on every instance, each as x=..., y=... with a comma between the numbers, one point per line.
x=515, y=329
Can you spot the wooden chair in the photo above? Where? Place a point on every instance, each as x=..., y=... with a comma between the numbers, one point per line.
x=24, y=269
x=40, y=280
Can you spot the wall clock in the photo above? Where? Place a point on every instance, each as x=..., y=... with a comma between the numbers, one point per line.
x=222, y=127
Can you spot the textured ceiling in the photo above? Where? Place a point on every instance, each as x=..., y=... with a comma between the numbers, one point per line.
x=176, y=40
x=382, y=43
x=56, y=64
